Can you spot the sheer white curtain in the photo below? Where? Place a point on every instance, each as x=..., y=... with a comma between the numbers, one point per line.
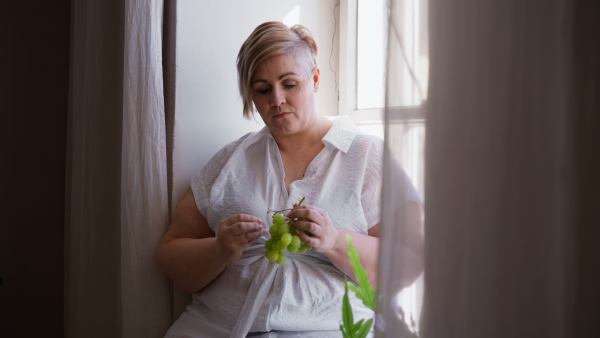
x=512, y=165
x=399, y=306
x=117, y=206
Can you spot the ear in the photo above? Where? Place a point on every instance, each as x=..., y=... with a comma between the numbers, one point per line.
x=316, y=78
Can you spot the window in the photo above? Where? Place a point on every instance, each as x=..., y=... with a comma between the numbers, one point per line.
x=380, y=81
x=363, y=52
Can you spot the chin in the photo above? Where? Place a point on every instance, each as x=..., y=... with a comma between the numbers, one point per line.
x=285, y=130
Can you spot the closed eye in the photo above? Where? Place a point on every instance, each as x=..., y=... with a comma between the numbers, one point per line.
x=264, y=91
x=289, y=86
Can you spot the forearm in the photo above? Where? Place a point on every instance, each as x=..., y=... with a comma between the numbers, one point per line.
x=366, y=246
x=191, y=263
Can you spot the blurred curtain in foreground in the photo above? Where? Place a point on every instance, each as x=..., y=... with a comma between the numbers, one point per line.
x=512, y=166
x=117, y=205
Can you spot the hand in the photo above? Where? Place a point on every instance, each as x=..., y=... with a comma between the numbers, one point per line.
x=236, y=233
x=317, y=222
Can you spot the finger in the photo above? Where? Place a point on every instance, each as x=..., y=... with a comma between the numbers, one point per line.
x=243, y=239
x=309, y=226
x=237, y=229
x=299, y=212
x=246, y=238
x=241, y=223
x=322, y=213
x=252, y=239
x=243, y=227
x=311, y=241
x=241, y=218
x=310, y=214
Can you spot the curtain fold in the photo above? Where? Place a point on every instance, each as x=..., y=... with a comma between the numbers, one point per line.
x=498, y=136
x=502, y=212
x=144, y=189
x=585, y=54
x=511, y=175
x=117, y=207
x=498, y=195
x=400, y=289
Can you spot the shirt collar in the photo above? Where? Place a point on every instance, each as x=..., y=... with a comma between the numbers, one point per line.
x=340, y=135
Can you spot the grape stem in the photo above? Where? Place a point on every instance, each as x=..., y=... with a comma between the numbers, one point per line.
x=280, y=211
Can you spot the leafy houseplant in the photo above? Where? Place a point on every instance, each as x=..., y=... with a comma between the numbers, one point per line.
x=365, y=292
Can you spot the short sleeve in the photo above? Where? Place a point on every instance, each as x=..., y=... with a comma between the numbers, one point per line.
x=371, y=192
x=373, y=183
x=403, y=185
x=203, y=182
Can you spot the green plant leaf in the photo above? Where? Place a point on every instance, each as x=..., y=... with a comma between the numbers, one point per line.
x=364, y=330
x=357, y=326
x=344, y=333
x=364, y=291
x=347, y=316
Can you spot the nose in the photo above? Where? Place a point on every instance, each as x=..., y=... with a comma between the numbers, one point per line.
x=277, y=97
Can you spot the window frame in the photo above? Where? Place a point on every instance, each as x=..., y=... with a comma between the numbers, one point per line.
x=348, y=61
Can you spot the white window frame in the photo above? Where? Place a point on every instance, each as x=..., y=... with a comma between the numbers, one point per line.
x=348, y=76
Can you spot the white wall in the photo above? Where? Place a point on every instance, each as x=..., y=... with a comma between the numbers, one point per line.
x=208, y=109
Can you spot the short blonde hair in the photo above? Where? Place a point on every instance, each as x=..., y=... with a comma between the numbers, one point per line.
x=271, y=39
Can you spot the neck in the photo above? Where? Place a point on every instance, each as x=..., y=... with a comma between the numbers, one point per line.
x=308, y=138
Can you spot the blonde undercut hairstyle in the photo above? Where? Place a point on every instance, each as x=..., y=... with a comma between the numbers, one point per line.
x=271, y=39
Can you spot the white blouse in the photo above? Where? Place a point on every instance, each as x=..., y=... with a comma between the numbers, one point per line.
x=303, y=294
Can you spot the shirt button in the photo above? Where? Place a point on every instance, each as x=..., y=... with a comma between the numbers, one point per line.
x=261, y=318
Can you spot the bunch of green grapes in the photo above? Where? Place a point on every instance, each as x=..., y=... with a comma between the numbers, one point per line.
x=283, y=237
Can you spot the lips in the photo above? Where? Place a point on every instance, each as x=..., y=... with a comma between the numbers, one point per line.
x=280, y=115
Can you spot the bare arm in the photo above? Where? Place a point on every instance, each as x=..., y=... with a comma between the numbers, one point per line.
x=331, y=241
x=192, y=256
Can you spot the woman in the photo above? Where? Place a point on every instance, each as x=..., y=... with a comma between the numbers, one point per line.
x=215, y=245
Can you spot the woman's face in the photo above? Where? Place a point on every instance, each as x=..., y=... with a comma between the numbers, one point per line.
x=283, y=94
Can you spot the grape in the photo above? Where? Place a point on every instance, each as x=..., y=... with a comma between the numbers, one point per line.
x=280, y=246
x=303, y=248
x=274, y=230
x=296, y=241
x=281, y=258
x=272, y=255
x=269, y=243
x=284, y=229
x=286, y=238
x=278, y=219
x=283, y=237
